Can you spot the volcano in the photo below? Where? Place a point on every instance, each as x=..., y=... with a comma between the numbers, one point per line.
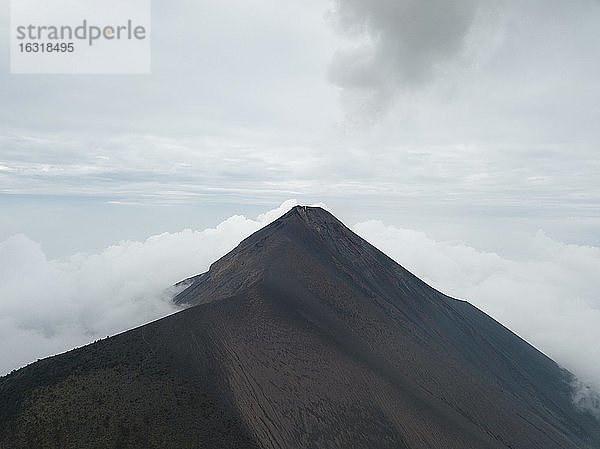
x=304, y=336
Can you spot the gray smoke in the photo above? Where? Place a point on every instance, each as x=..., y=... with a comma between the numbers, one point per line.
x=395, y=44
x=586, y=398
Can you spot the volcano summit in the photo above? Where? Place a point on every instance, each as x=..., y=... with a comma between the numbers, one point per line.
x=304, y=336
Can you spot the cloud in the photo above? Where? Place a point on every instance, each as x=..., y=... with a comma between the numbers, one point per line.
x=586, y=398
x=549, y=295
x=498, y=120
x=487, y=66
x=249, y=70
x=50, y=306
x=396, y=44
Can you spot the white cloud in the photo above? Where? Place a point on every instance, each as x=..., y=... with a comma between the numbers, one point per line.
x=50, y=306
x=548, y=295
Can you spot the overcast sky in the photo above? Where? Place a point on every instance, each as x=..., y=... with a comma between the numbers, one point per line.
x=472, y=121
x=447, y=116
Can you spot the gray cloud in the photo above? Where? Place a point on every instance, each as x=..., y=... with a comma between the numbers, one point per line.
x=251, y=113
x=397, y=45
x=503, y=62
x=586, y=398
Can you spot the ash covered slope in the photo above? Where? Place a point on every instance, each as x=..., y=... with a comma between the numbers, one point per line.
x=303, y=336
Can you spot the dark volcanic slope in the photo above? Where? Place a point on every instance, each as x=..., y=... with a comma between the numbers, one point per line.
x=304, y=336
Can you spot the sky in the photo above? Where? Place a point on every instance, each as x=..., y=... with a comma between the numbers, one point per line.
x=472, y=122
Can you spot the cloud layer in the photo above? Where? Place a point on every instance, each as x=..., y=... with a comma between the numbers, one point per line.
x=50, y=306
x=548, y=295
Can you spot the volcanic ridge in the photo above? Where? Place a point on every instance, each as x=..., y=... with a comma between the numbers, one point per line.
x=304, y=336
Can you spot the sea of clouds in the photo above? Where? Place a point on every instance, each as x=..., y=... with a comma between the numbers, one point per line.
x=550, y=297
x=50, y=306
